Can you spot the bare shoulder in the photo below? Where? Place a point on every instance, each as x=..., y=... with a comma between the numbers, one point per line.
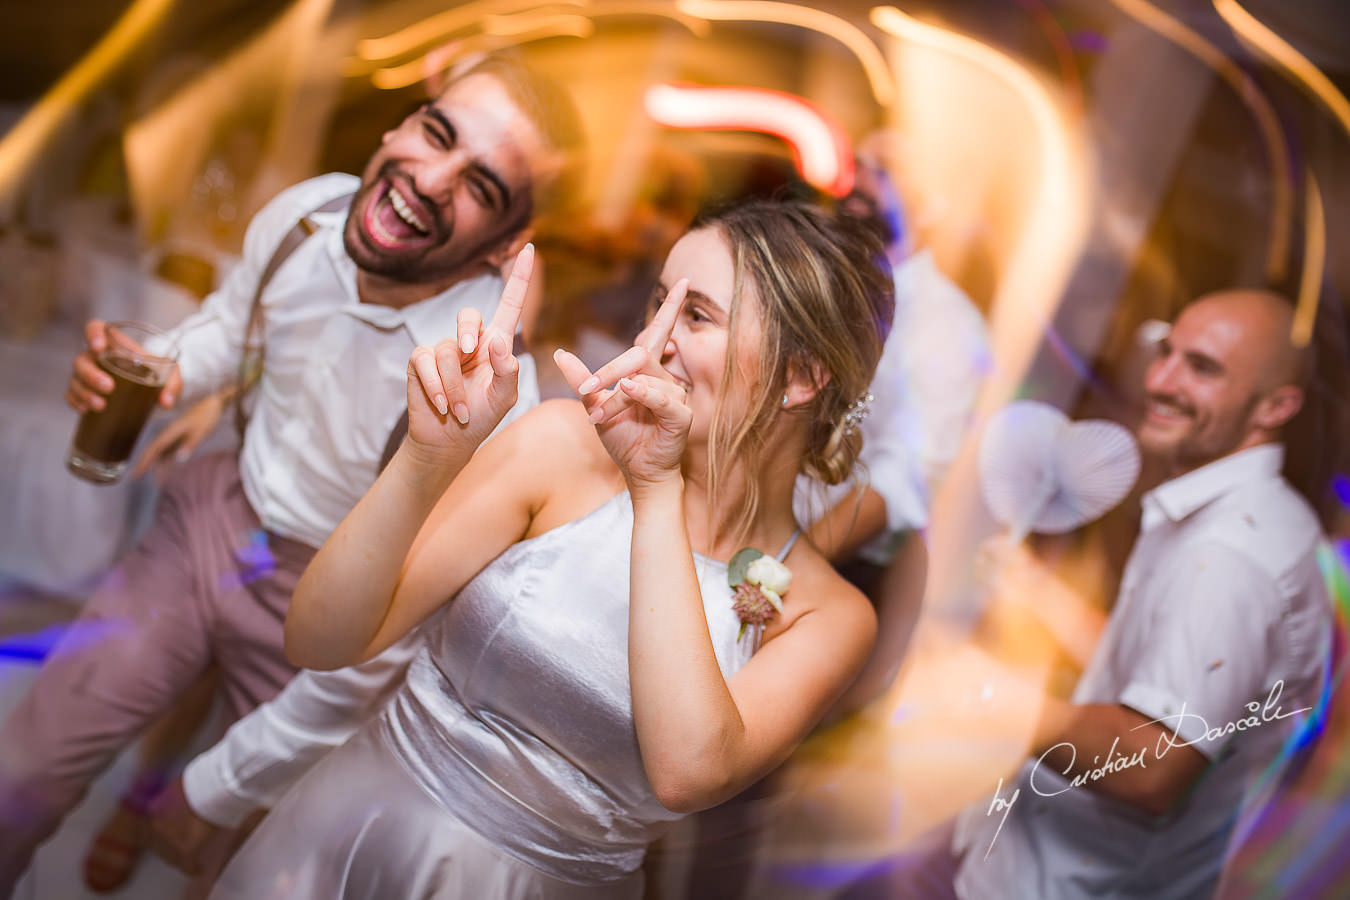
x=558, y=433
x=560, y=450
x=550, y=424
x=822, y=599
x=818, y=646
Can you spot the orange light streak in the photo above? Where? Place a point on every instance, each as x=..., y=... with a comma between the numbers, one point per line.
x=1282, y=179
x=395, y=77
x=1314, y=262
x=434, y=29
x=503, y=19
x=1283, y=52
x=879, y=74
x=1043, y=245
x=25, y=141
x=1314, y=82
x=1055, y=226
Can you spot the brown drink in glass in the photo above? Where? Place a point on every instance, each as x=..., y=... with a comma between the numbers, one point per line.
x=139, y=358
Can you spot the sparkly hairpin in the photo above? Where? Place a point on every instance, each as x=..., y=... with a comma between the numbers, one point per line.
x=857, y=411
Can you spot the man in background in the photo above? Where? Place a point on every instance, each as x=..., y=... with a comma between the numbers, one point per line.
x=1214, y=654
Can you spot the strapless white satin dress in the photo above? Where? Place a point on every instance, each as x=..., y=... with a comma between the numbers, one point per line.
x=507, y=766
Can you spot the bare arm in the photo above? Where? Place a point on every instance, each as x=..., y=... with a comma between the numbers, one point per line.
x=1205, y=664
x=381, y=572
x=1081, y=740
x=705, y=738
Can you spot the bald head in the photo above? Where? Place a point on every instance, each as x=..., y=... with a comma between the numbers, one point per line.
x=1227, y=378
x=1265, y=321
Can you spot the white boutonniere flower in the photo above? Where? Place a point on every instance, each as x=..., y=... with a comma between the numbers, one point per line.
x=758, y=583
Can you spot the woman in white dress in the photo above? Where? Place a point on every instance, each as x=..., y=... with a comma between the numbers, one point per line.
x=589, y=673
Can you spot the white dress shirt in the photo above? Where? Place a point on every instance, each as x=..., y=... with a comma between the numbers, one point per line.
x=328, y=353
x=334, y=380
x=265, y=752
x=924, y=391
x=1221, y=630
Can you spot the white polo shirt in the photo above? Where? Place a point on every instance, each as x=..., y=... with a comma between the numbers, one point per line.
x=1222, y=630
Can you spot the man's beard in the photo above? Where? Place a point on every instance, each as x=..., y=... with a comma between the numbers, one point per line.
x=432, y=263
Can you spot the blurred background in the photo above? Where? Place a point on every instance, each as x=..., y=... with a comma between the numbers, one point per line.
x=1077, y=167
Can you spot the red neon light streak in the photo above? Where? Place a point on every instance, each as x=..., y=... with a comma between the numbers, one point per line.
x=820, y=148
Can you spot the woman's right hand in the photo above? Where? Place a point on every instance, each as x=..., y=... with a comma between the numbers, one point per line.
x=644, y=420
x=461, y=389
x=89, y=385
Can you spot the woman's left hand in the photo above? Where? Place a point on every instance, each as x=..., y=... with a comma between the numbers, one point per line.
x=644, y=419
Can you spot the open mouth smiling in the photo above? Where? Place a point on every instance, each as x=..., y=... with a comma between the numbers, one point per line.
x=1163, y=411
x=405, y=211
x=393, y=221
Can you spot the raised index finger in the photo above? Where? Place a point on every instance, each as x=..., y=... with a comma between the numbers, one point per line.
x=513, y=295
x=653, y=338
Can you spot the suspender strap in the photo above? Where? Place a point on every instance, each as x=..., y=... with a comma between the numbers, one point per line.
x=251, y=359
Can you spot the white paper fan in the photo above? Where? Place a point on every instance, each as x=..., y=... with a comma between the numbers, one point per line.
x=1041, y=472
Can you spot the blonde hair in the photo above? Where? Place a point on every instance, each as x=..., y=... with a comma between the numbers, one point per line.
x=826, y=303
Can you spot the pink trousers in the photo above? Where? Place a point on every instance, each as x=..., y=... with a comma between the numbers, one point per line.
x=206, y=584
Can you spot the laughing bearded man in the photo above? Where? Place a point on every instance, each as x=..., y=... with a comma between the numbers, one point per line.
x=386, y=262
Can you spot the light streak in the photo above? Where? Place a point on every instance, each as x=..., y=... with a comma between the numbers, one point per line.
x=500, y=23
x=1055, y=224
x=1282, y=206
x=1043, y=245
x=820, y=147
x=1313, y=81
x=393, y=78
x=1274, y=46
x=435, y=28
x=1314, y=262
x=512, y=26
x=25, y=141
x=878, y=74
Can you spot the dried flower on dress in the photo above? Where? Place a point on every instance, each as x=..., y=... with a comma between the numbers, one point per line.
x=758, y=583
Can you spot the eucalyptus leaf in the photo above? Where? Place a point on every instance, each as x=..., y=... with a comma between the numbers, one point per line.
x=739, y=563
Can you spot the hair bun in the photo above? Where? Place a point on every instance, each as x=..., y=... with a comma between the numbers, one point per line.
x=833, y=462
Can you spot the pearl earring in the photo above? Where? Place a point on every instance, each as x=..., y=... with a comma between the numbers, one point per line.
x=785, y=401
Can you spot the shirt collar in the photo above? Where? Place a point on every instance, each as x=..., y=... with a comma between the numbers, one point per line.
x=425, y=319
x=1176, y=499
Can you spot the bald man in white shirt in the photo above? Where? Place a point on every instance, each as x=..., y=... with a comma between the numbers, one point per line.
x=1215, y=652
